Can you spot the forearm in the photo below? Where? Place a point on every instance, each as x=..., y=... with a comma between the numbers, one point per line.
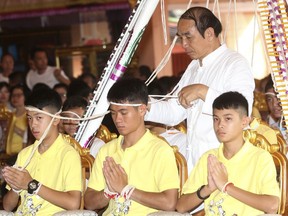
x=161, y=112
x=69, y=200
x=62, y=79
x=188, y=202
x=95, y=200
x=165, y=200
x=265, y=203
x=10, y=200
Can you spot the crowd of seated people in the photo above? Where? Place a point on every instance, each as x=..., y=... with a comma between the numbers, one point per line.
x=136, y=173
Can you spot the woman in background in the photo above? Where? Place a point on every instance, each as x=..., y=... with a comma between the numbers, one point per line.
x=19, y=135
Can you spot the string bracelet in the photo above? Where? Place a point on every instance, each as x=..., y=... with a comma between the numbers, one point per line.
x=17, y=191
x=199, y=195
x=110, y=195
x=127, y=191
x=223, y=190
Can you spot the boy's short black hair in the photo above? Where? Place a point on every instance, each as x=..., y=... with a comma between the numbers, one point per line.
x=78, y=87
x=130, y=90
x=45, y=98
x=269, y=85
x=231, y=100
x=75, y=102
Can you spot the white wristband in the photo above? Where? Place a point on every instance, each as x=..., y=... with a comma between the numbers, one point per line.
x=17, y=191
x=36, y=192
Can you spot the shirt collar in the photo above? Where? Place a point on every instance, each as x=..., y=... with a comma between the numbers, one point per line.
x=139, y=145
x=239, y=154
x=211, y=57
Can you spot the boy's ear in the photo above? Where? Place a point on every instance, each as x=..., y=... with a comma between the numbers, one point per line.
x=246, y=121
x=56, y=121
x=143, y=109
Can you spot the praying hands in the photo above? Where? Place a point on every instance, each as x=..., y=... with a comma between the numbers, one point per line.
x=114, y=174
x=217, y=174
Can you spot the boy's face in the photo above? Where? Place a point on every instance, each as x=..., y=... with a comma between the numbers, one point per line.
x=70, y=126
x=38, y=122
x=229, y=124
x=127, y=119
x=273, y=104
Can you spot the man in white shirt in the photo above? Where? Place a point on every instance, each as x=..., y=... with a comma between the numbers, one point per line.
x=44, y=73
x=215, y=69
x=7, y=66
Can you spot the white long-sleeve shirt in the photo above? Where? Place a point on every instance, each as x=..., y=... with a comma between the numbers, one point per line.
x=223, y=70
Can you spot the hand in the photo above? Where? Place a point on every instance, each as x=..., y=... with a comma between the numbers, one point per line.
x=57, y=73
x=211, y=184
x=115, y=176
x=16, y=178
x=217, y=171
x=191, y=93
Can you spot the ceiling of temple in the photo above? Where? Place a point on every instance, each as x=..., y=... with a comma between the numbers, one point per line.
x=11, y=9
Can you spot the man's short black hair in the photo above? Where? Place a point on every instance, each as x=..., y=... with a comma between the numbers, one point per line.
x=203, y=18
x=75, y=102
x=231, y=100
x=130, y=90
x=35, y=50
x=45, y=98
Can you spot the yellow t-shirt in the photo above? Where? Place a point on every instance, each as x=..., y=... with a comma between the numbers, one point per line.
x=15, y=144
x=58, y=168
x=150, y=166
x=251, y=169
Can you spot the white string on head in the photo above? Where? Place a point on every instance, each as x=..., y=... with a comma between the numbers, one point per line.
x=270, y=93
x=124, y=104
x=70, y=112
x=163, y=96
x=78, y=118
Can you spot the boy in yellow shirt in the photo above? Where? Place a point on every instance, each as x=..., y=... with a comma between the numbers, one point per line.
x=237, y=178
x=135, y=174
x=47, y=175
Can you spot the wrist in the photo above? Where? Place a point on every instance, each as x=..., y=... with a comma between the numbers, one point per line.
x=127, y=191
x=33, y=187
x=17, y=191
x=109, y=194
x=200, y=193
x=225, y=186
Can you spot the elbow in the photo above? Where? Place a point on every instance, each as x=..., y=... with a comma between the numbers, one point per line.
x=88, y=203
x=179, y=208
x=273, y=207
x=170, y=205
x=74, y=205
